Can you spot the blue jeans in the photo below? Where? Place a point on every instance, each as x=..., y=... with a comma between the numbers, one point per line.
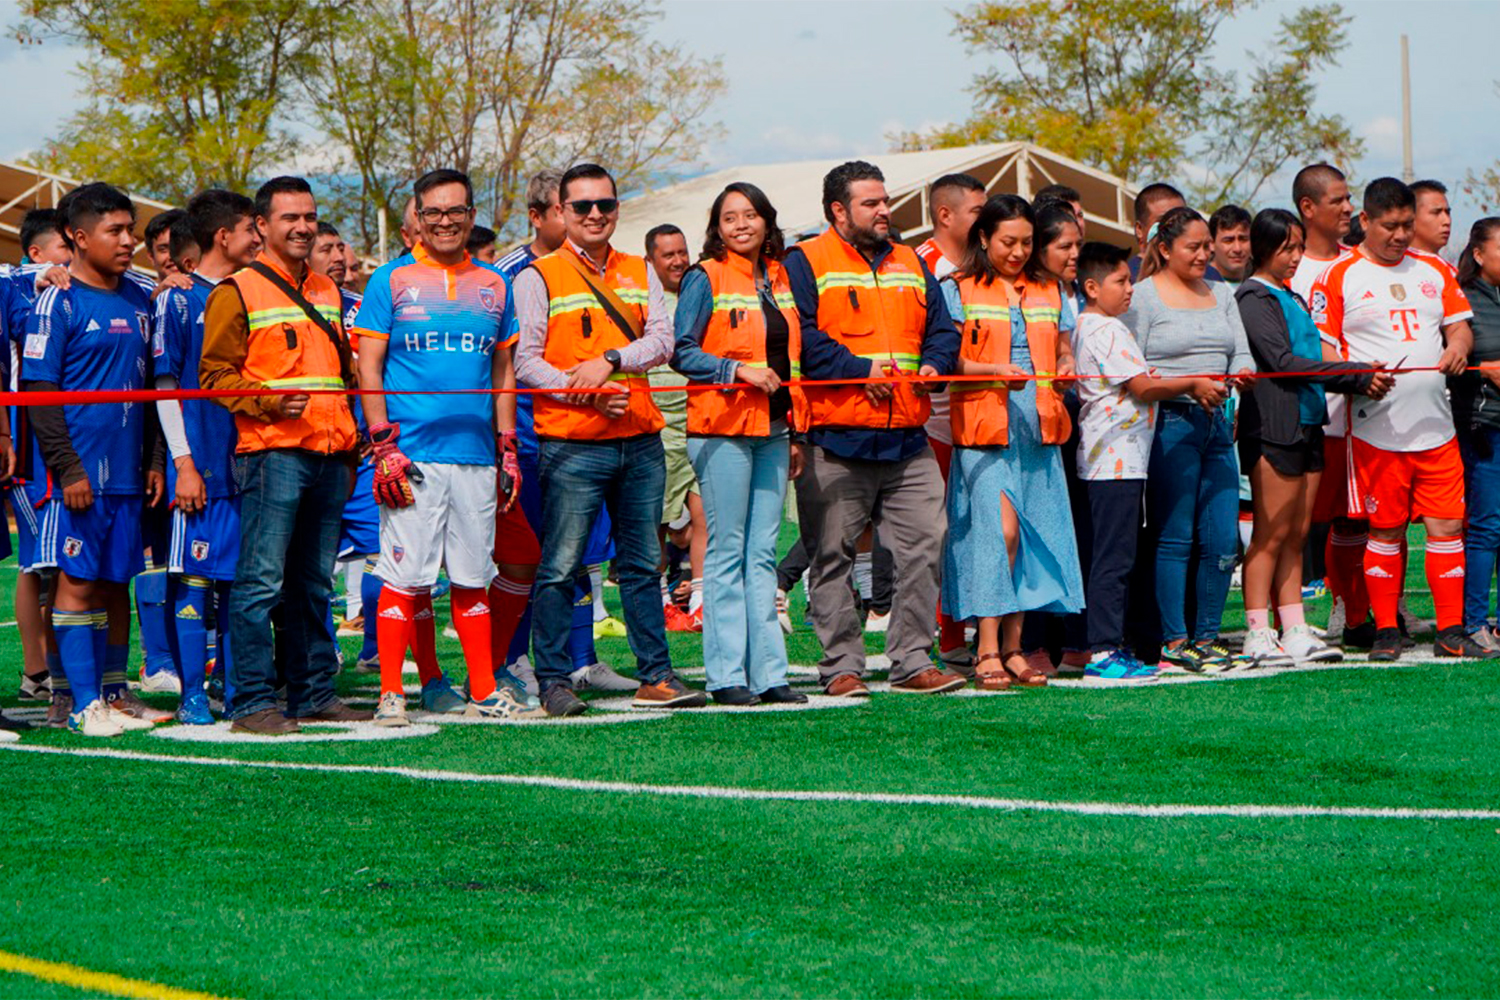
x=1481, y=451
x=290, y=515
x=743, y=484
x=1193, y=496
x=627, y=477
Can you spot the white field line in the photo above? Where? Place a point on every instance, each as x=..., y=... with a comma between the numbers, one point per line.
x=1122, y=809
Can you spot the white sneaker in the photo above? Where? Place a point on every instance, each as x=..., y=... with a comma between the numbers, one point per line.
x=1304, y=646
x=96, y=720
x=523, y=671
x=1264, y=650
x=877, y=623
x=1487, y=638
x=503, y=704
x=1336, y=622
x=449, y=632
x=598, y=677
x=129, y=723
x=391, y=712
x=784, y=612
x=161, y=682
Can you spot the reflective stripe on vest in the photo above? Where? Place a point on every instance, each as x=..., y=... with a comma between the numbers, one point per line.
x=579, y=329
x=306, y=359
x=877, y=314
x=979, y=411
x=737, y=330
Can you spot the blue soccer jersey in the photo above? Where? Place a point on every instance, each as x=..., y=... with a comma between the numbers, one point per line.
x=177, y=347
x=511, y=265
x=441, y=326
x=88, y=339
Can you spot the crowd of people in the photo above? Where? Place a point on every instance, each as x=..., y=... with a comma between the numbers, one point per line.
x=931, y=406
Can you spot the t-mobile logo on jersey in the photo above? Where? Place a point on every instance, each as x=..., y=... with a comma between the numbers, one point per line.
x=1404, y=322
x=444, y=340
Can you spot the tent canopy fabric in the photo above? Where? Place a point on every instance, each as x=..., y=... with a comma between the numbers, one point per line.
x=796, y=189
x=23, y=188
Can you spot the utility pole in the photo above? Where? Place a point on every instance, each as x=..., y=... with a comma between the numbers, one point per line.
x=1407, y=173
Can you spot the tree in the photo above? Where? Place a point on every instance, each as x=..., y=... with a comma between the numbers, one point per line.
x=1129, y=86
x=500, y=90
x=181, y=95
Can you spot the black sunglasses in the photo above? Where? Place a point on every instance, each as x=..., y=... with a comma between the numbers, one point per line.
x=584, y=207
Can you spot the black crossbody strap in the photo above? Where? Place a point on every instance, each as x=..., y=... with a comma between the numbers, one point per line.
x=607, y=299
x=297, y=297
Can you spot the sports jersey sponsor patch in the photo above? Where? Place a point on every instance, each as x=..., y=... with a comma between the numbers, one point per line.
x=1428, y=289
x=1319, y=306
x=36, y=346
x=72, y=546
x=398, y=552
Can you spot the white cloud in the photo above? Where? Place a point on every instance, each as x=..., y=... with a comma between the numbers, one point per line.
x=1383, y=136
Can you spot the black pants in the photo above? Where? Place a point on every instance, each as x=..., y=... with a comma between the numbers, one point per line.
x=1115, y=517
x=882, y=571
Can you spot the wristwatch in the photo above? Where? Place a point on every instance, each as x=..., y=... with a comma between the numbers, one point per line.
x=613, y=357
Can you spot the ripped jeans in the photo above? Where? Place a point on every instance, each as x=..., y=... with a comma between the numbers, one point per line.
x=1193, y=498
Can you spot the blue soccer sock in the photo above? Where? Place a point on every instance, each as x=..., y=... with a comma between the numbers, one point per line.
x=151, y=603
x=581, y=638
x=190, y=624
x=369, y=593
x=115, y=658
x=75, y=645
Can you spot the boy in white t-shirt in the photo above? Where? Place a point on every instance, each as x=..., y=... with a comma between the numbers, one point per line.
x=1117, y=421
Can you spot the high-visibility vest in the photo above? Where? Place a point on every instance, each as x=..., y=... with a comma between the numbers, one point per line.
x=286, y=350
x=737, y=329
x=579, y=329
x=878, y=314
x=978, y=410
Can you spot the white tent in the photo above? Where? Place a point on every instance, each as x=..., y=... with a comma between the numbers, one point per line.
x=23, y=188
x=796, y=189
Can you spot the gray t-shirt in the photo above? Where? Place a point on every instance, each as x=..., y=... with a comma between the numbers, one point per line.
x=1181, y=342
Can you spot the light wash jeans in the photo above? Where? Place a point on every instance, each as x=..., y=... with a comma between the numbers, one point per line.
x=743, y=485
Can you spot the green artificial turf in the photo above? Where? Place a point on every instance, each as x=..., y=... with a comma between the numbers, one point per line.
x=254, y=883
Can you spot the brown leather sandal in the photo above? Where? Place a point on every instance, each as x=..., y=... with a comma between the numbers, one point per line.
x=1025, y=676
x=990, y=678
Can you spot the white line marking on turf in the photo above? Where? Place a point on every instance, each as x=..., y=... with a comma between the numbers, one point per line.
x=1121, y=809
x=589, y=719
x=814, y=703
x=6, y=736
x=322, y=732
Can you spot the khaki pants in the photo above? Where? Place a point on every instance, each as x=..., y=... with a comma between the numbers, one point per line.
x=836, y=498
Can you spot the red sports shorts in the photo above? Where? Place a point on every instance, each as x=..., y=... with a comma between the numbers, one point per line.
x=1397, y=487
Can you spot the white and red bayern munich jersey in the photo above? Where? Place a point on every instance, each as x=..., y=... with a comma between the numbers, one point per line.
x=1394, y=314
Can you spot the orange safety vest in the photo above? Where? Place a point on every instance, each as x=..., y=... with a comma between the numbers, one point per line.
x=578, y=330
x=285, y=349
x=878, y=314
x=978, y=410
x=737, y=329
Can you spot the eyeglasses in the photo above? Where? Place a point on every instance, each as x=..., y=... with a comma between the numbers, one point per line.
x=584, y=207
x=432, y=216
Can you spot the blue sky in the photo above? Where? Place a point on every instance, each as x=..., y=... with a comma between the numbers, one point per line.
x=820, y=78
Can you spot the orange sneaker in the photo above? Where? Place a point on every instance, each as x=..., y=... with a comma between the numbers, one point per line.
x=679, y=620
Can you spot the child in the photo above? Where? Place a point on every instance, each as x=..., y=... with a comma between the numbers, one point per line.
x=1117, y=394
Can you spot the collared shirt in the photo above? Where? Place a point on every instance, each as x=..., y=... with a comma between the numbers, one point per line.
x=825, y=358
x=532, y=303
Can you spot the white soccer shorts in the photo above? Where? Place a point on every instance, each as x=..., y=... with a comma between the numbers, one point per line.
x=452, y=524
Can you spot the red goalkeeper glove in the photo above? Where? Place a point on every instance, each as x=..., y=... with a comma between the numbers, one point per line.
x=394, y=473
x=510, y=470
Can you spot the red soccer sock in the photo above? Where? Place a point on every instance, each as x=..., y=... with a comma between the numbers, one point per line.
x=508, y=600
x=1383, y=579
x=424, y=640
x=950, y=633
x=1445, y=577
x=1345, y=556
x=393, y=634
x=471, y=619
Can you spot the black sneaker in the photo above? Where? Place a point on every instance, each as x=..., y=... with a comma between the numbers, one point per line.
x=13, y=725
x=1387, y=646
x=560, y=702
x=1407, y=642
x=1452, y=642
x=741, y=696
x=782, y=695
x=1361, y=636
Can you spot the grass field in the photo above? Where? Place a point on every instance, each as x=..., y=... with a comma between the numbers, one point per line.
x=962, y=846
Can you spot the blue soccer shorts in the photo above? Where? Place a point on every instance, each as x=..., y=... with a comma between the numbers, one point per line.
x=100, y=543
x=207, y=543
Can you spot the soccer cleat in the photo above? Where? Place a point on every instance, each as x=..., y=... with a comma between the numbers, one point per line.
x=97, y=720
x=59, y=710
x=391, y=712
x=9, y=725
x=669, y=692
x=599, y=677
x=560, y=702
x=160, y=681
x=194, y=710
x=36, y=687
x=1314, y=590
x=1303, y=645
x=439, y=697
x=503, y=704
x=368, y=664
x=783, y=612
x=1264, y=650
x=609, y=627
x=1184, y=659
x=679, y=620
x=1361, y=636
x=1451, y=642
x=127, y=703
x=1387, y=646
x=1486, y=637
x=351, y=628
x=877, y=622
x=1118, y=669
